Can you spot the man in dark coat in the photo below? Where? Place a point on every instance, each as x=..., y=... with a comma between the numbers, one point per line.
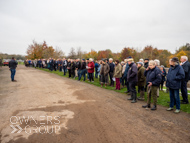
x=12, y=67
x=186, y=67
x=73, y=67
x=153, y=80
x=69, y=67
x=132, y=79
x=83, y=70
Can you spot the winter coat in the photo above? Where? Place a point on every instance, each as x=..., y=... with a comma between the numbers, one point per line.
x=186, y=68
x=83, y=65
x=13, y=64
x=91, y=67
x=117, y=71
x=105, y=68
x=132, y=73
x=163, y=74
x=126, y=71
x=111, y=67
x=146, y=65
x=141, y=77
x=174, y=77
x=154, y=76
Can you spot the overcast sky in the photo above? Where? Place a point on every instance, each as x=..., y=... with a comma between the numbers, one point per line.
x=94, y=24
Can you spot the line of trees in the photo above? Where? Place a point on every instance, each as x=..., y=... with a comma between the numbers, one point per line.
x=36, y=51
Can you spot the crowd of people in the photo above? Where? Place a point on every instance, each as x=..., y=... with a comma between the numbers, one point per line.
x=148, y=75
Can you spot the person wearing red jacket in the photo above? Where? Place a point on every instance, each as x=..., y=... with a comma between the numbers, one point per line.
x=91, y=69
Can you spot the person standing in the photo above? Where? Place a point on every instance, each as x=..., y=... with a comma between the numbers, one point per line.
x=175, y=76
x=111, y=65
x=141, y=80
x=153, y=80
x=96, y=69
x=91, y=69
x=35, y=63
x=163, y=74
x=73, y=67
x=132, y=79
x=125, y=75
x=146, y=61
x=186, y=67
x=117, y=74
x=64, y=66
x=12, y=67
x=69, y=67
x=78, y=67
x=82, y=70
x=105, y=68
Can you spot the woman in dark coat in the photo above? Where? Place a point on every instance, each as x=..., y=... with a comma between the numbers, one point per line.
x=174, y=78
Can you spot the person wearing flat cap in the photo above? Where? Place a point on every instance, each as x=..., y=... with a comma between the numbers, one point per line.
x=132, y=79
x=174, y=78
x=141, y=79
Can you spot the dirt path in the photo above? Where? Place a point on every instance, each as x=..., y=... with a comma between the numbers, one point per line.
x=58, y=109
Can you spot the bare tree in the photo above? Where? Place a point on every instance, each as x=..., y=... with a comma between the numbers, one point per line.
x=72, y=53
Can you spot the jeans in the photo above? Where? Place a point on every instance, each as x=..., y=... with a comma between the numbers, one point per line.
x=96, y=72
x=13, y=71
x=82, y=73
x=64, y=70
x=60, y=68
x=79, y=72
x=174, y=96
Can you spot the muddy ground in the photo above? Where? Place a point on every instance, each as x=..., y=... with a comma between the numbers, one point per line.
x=61, y=110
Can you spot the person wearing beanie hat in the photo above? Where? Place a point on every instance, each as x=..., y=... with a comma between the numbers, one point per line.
x=174, y=78
x=141, y=80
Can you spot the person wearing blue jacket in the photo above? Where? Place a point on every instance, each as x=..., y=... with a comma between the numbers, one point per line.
x=174, y=78
x=153, y=80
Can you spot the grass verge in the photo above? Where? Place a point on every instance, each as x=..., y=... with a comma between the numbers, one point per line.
x=162, y=100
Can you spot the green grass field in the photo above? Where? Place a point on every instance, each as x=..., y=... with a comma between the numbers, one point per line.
x=162, y=100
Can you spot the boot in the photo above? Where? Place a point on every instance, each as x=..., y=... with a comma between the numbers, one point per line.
x=146, y=106
x=154, y=107
x=101, y=85
x=105, y=85
x=134, y=98
x=131, y=97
